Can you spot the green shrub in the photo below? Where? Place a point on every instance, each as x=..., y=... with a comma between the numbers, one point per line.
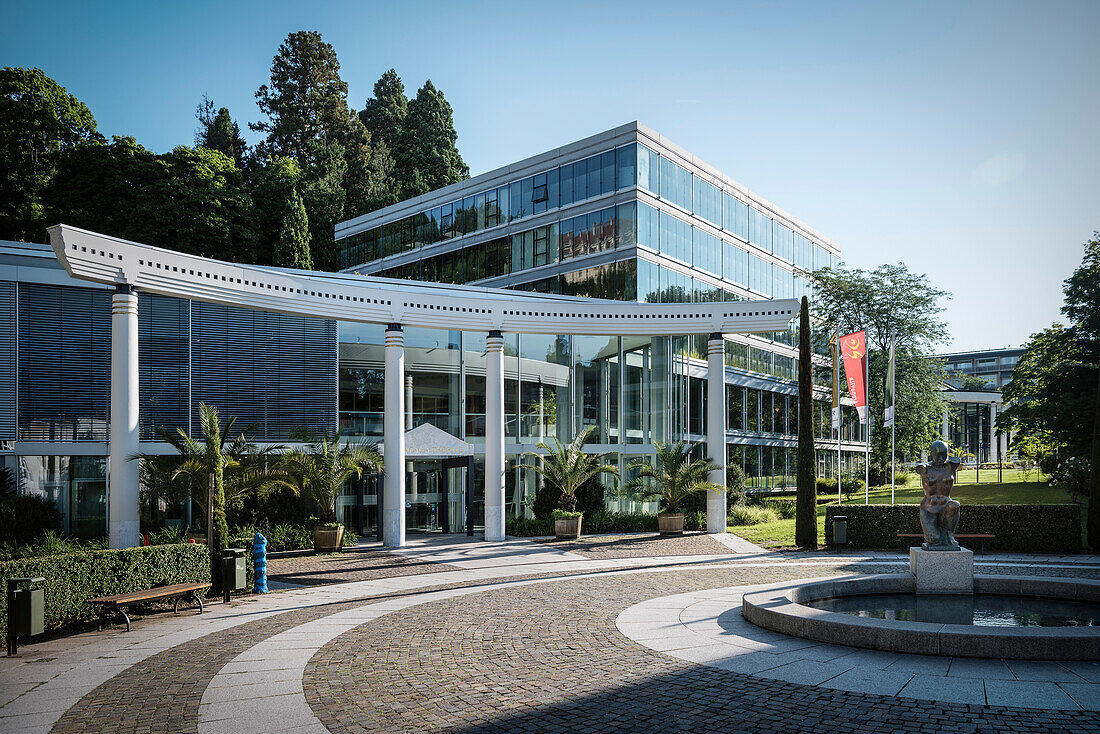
x=606, y=521
x=1031, y=528
x=528, y=527
x=564, y=515
x=695, y=521
x=168, y=536
x=73, y=578
x=826, y=485
x=25, y=518
x=50, y=544
x=752, y=515
x=785, y=508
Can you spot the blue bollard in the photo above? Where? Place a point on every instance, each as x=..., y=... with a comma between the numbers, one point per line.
x=259, y=564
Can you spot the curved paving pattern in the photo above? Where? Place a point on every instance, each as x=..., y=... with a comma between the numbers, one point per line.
x=707, y=628
x=498, y=645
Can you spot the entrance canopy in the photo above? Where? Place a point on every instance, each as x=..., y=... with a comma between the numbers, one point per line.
x=429, y=442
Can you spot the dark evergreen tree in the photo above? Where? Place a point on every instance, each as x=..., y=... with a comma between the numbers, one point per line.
x=323, y=191
x=805, y=528
x=293, y=248
x=271, y=182
x=384, y=114
x=429, y=144
x=217, y=131
x=39, y=120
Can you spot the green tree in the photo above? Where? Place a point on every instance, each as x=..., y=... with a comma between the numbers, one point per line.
x=190, y=199
x=217, y=131
x=319, y=471
x=673, y=477
x=566, y=467
x=1052, y=397
x=38, y=120
x=886, y=300
x=384, y=113
x=293, y=248
x=270, y=181
x=429, y=145
x=805, y=528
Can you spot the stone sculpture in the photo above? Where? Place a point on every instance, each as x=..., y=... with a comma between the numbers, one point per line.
x=939, y=514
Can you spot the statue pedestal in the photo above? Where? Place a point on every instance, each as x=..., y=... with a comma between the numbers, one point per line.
x=942, y=572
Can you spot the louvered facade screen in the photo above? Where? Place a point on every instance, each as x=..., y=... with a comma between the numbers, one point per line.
x=7, y=360
x=273, y=372
x=64, y=363
x=163, y=353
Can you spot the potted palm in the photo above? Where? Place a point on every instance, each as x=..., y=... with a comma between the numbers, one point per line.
x=672, y=478
x=319, y=471
x=566, y=467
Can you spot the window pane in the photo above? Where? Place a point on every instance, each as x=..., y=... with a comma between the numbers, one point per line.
x=607, y=172
x=626, y=159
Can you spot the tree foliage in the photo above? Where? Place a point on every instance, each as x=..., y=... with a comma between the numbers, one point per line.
x=884, y=301
x=293, y=248
x=38, y=120
x=805, y=530
x=217, y=131
x=1052, y=397
x=319, y=471
x=429, y=149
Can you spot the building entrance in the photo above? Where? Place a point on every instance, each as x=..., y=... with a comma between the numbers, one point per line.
x=435, y=497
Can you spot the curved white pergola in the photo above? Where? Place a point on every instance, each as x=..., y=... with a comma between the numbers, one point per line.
x=132, y=266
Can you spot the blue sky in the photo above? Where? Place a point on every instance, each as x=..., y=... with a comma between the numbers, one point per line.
x=959, y=138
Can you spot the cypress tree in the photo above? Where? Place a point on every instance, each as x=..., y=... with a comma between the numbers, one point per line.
x=1093, y=521
x=293, y=248
x=429, y=143
x=805, y=528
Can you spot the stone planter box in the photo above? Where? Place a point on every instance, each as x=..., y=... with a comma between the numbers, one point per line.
x=671, y=524
x=328, y=540
x=569, y=528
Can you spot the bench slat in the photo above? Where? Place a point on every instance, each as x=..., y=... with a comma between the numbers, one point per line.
x=159, y=592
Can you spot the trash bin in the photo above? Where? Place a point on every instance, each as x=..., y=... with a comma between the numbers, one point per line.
x=234, y=571
x=840, y=530
x=26, y=610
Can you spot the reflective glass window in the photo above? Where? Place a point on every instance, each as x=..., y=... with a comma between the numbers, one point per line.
x=648, y=282
x=803, y=252
x=783, y=242
x=626, y=227
x=503, y=195
x=708, y=201
x=760, y=230
x=735, y=216
x=675, y=238
x=607, y=172
x=675, y=184
x=626, y=161
x=649, y=227
x=526, y=196
x=580, y=180
x=552, y=188
x=594, y=175
x=515, y=201
x=492, y=211
x=566, y=184
x=707, y=251
x=648, y=169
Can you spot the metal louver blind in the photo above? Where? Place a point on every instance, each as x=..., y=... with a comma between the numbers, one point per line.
x=163, y=346
x=274, y=372
x=7, y=360
x=64, y=362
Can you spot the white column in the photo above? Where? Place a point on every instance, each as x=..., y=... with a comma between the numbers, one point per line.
x=411, y=481
x=946, y=419
x=716, y=430
x=393, y=504
x=494, y=436
x=125, y=527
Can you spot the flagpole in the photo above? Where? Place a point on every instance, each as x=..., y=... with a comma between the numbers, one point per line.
x=867, y=424
x=836, y=397
x=893, y=407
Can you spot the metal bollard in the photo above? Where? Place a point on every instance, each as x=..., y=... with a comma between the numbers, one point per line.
x=259, y=564
x=26, y=610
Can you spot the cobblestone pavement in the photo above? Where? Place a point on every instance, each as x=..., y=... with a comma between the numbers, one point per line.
x=350, y=565
x=640, y=545
x=549, y=658
x=545, y=656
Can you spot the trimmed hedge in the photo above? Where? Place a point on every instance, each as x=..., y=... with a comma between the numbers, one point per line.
x=1031, y=528
x=73, y=578
x=600, y=522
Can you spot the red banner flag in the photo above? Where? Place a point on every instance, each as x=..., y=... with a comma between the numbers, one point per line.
x=853, y=348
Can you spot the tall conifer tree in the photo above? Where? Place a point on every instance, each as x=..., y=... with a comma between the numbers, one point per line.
x=384, y=114
x=805, y=523
x=430, y=144
x=217, y=131
x=293, y=248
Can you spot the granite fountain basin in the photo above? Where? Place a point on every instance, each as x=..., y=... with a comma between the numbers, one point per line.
x=789, y=611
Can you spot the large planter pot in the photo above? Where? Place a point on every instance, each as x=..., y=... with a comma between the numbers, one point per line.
x=669, y=524
x=570, y=528
x=328, y=540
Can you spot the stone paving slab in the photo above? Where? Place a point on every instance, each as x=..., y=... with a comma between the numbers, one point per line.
x=763, y=653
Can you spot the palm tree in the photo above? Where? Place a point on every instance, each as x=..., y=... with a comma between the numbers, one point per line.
x=319, y=471
x=673, y=478
x=567, y=467
x=215, y=472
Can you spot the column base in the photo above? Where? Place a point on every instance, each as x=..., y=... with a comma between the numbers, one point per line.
x=942, y=572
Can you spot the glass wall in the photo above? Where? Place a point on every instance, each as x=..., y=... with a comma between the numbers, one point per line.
x=77, y=484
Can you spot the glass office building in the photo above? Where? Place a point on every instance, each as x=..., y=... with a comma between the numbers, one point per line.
x=621, y=215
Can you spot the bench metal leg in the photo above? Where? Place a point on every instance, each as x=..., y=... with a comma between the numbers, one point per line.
x=196, y=597
x=123, y=611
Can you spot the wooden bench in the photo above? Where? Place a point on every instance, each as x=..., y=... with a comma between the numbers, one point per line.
x=980, y=537
x=121, y=603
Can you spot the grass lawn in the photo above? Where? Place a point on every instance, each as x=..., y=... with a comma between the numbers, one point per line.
x=780, y=534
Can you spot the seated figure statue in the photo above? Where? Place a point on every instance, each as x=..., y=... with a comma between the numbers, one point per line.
x=939, y=514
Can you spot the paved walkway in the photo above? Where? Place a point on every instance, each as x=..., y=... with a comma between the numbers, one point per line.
x=516, y=636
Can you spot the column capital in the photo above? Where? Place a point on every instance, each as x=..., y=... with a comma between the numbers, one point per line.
x=124, y=288
x=393, y=327
x=496, y=334
x=715, y=336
